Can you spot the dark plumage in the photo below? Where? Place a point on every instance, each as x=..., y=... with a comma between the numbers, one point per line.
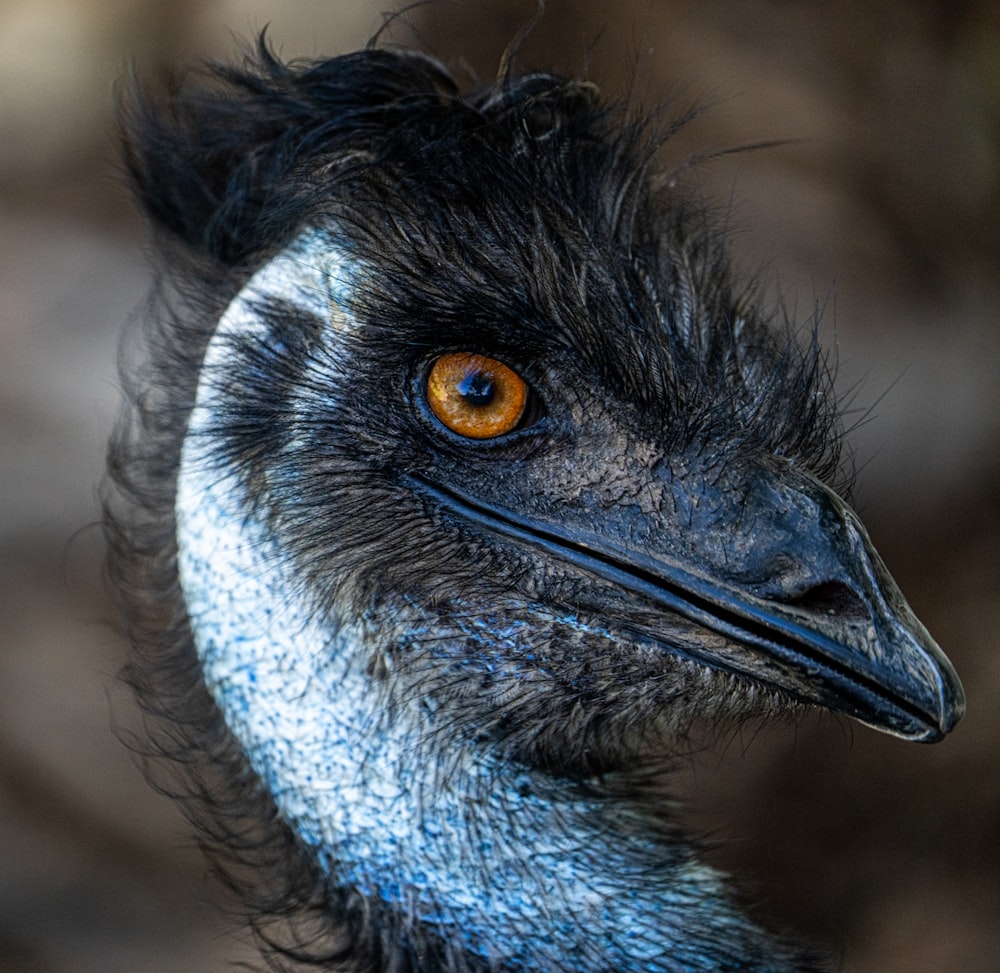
x=425, y=688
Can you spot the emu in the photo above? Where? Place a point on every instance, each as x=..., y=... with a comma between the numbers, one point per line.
x=462, y=485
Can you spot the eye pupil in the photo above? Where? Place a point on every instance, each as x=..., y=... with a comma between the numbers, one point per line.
x=477, y=388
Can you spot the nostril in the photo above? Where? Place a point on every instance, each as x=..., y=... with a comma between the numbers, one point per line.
x=832, y=598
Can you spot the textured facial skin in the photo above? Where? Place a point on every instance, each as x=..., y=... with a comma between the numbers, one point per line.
x=427, y=687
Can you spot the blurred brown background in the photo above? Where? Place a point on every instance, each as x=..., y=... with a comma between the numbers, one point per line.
x=886, y=212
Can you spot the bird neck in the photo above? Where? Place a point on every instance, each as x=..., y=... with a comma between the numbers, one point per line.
x=508, y=865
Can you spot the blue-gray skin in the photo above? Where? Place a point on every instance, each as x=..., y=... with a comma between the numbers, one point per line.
x=459, y=666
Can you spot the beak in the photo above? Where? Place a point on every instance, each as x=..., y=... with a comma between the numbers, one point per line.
x=790, y=581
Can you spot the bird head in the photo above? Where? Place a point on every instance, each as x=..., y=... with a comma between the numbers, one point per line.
x=461, y=389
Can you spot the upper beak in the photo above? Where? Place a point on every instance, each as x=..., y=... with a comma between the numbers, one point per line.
x=791, y=582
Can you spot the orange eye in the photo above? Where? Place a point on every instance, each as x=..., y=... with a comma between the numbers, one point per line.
x=476, y=396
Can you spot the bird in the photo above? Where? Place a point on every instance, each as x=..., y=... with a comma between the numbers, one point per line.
x=462, y=484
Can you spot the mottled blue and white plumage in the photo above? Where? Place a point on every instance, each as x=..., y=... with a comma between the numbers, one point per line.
x=427, y=684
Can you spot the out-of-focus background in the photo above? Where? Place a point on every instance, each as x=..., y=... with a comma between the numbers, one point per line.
x=886, y=212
